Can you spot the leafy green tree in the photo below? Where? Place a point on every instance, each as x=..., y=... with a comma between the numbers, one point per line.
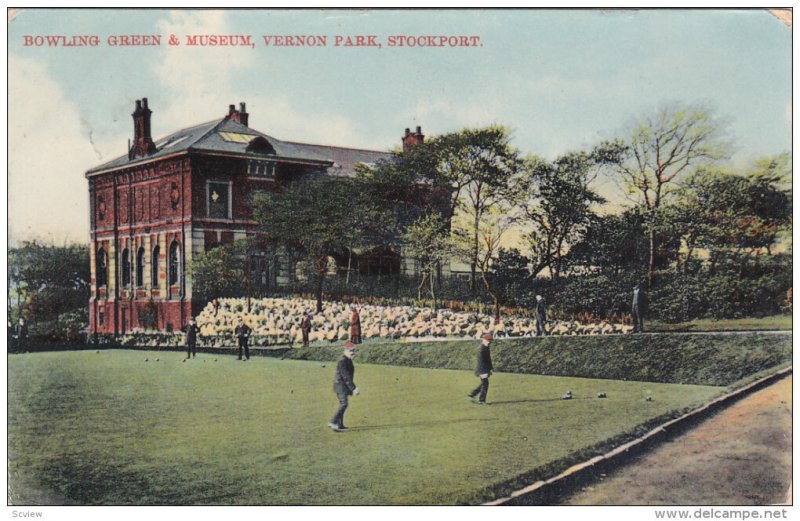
x=612, y=244
x=662, y=148
x=559, y=202
x=428, y=241
x=771, y=197
x=731, y=216
x=394, y=193
x=49, y=281
x=480, y=167
x=511, y=274
x=226, y=271
x=775, y=171
x=315, y=217
x=492, y=227
x=460, y=174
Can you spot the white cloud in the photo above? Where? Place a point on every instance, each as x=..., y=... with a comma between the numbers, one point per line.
x=48, y=155
x=284, y=120
x=457, y=113
x=197, y=83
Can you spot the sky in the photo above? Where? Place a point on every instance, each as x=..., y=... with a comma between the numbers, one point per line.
x=560, y=80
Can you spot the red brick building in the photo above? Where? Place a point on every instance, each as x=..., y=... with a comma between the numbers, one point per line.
x=165, y=201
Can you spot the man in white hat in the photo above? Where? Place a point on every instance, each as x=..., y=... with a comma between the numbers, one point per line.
x=344, y=386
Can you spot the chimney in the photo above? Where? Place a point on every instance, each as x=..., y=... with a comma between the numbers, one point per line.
x=243, y=115
x=240, y=115
x=410, y=139
x=143, y=145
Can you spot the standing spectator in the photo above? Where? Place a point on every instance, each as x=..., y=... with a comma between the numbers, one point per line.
x=344, y=386
x=637, y=309
x=242, y=332
x=215, y=305
x=355, y=326
x=483, y=371
x=191, y=340
x=305, y=327
x=11, y=335
x=21, y=335
x=540, y=314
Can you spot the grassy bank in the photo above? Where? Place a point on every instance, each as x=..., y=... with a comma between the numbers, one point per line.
x=770, y=323
x=678, y=358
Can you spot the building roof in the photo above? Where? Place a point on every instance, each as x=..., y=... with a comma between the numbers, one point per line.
x=231, y=137
x=345, y=159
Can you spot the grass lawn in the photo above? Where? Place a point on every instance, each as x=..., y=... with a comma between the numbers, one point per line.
x=774, y=322
x=109, y=428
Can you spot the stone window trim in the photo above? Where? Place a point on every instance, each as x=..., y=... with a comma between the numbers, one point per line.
x=154, y=266
x=229, y=184
x=125, y=268
x=174, y=264
x=101, y=271
x=140, y=256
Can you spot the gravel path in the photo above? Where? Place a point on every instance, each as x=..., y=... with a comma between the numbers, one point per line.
x=740, y=456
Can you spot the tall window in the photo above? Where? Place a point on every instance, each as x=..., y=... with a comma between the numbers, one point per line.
x=219, y=199
x=126, y=268
x=174, y=263
x=102, y=267
x=140, y=267
x=154, y=267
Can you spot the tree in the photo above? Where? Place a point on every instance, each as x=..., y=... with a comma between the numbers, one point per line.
x=612, y=244
x=396, y=193
x=511, y=273
x=662, y=148
x=428, y=241
x=771, y=197
x=480, y=168
x=226, y=271
x=466, y=172
x=559, y=201
x=731, y=216
x=49, y=281
x=493, y=225
x=314, y=217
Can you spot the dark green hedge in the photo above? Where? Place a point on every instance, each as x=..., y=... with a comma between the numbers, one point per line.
x=702, y=359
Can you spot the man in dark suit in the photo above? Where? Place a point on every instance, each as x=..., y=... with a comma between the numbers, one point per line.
x=637, y=309
x=11, y=336
x=483, y=371
x=242, y=332
x=21, y=335
x=540, y=314
x=344, y=386
x=191, y=340
x=305, y=327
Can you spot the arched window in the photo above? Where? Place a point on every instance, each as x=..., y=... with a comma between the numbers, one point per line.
x=174, y=263
x=154, y=267
x=101, y=262
x=126, y=268
x=140, y=267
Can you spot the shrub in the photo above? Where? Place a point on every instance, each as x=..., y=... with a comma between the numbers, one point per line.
x=67, y=327
x=679, y=298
